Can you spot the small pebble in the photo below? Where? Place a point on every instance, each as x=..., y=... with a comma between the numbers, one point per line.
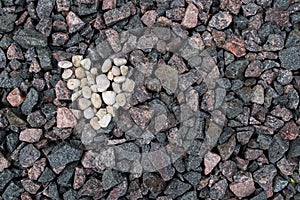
x=96, y=100
x=116, y=87
x=94, y=123
x=121, y=99
x=101, y=112
x=124, y=70
x=94, y=71
x=94, y=88
x=116, y=71
x=67, y=74
x=88, y=113
x=128, y=85
x=90, y=77
x=86, y=92
x=102, y=82
x=110, y=76
x=109, y=97
x=76, y=95
x=105, y=120
x=120, y=79
x=80, y=73
x=76, y=60
x=120, y=61
x=65, y=64
x=110, y=110
x=107, y=64
x=73, y=84
x=84, y=82
x=86, y=63
x=83, y=103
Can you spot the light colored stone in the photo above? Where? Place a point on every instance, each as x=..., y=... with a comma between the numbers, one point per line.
x=121, y=99
x=84, y=82
x=86, y=92
x=102, y=82
x=109, y=97
x=90, y=77
x=65, y=64
x=105, y=120
x=4, y=163
x=80, y=73
x=119, y=79
x=110, y=76
x=73, y=84
x=94, y=88
x=124, y=70
x=101, y=112
x=258, y=95
x=86, y=63
x=120, y=61
x=30, y=135
x=110, y=110
x=83, y=103
x=94, y=123
x=88, y=113
x=67, y=74
x=116, y=87
x=128, y=85
x=116, y=71
x=106, y=66
x=75, y=95
x=96, y=100
x=76, y=60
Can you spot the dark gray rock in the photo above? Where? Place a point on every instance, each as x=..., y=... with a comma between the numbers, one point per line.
x=154, y=183
x=30, y=101
x=281, y=4
x=7, y=22
x=6, y=82
x=192, y=177
x=44, y=8
x=217, y=191
x=294, y=150
x=51, y=191
x=277, y=148
x=2, y=59
x=290, y=58
x=279, y=183
x=30, y=38
x=28, y=155
x=13, y=191
x=46, y=176
x=111, y=178
x=176, y=188
x=44, y=55
x=70, y=195
x=236, y=69
x=189, y=196
x=234, y=108
x=293, y=39
x=5, y=177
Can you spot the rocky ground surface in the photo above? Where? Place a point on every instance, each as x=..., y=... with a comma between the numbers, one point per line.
x=49, y=72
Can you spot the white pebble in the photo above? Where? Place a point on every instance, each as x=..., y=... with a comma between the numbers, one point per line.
x=96, y=100
x=116, y=71
x=120, y=61
x=80, y=72
x=116, y=87
x=124, y=70
x=84, y=82
x=65, y=64
x=105, y=120
x=76, y=60
x=101, y=112
x=106, y=66
x=83, y=103
x=110, y=76
x=67, y=74
x=86, y=92
x=110, y=110
x=119, y=79
x=88, y=113
x=94, y=71
x=94, y=123
x=90, y=77
x=94, y=88
x=128, y=85
x=102, y=82
x=109, y=97
x=73, y=84
x=76, y=95
x=121, y=99
x=86, y=63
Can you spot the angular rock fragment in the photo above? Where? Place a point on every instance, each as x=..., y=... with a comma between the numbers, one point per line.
x=190, y=19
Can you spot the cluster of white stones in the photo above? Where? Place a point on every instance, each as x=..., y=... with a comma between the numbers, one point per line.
x=97, y=92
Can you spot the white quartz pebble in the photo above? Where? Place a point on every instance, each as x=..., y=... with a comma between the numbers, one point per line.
x=101, y=112
x=83, y=103
x=90, y=77
x=94, y=88
x=106, y=66
x=86, y=63
x=116, y=87
x=102, y=82
x=73, y=84
x=121, y=99
x=119, y=79
x=124, y=70
x=128, y=85
x=88, y=113
x=75, y=95
x=105, y=120
x=111, y=110
x=110, y=76
x=94, y=71
x=96, y=100
x=86, y=92
x=67, y=74
x=120, y=61
x=76, y=60
x=116, y=71
x=94, y=123
x=65, y=64
x=80, y=73
x=109, y=97
x=83, y=82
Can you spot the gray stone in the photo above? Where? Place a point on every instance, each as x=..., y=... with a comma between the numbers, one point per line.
x=28, y=155
x=111, y=178
x=290, y=58
x=176, y=188
x=30, y=101
x=30, y=38
x=168, y=77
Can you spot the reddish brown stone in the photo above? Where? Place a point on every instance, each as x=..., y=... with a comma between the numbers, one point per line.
x=30, y=186
x=109, y=4
x=254, y=69
x=268, y=76
x=235, y=45
x=31, y=135
x=241, y=163
x=4, y=163
x=243, y=185
x=196, y=41
x=117, y=14
x=221, y=20
x=65, y=118
x=118, y=191
x=14, y=52
x=282, y=112
x=141, y=115
x=289, y=131
x=37, y=169
x=99, y=22
x=264, y=177
x=219, y=37
x=34, y=66
x=210, y=161
x=74, y=22
x=277, y=16
x=113, y=39
x=287, y=167
x=178, y=62
x=244, y=136
x=61, y=91
x=149, y=18
x=25, y=196
x=231, y=5
x=63, y=5
x=176, y=14
x=252, y=154
x=59, y=39
x=190, y=19
x=79, y=178
x=22, y=18
x=15, y=97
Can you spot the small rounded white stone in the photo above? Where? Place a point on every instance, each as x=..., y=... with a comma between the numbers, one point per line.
x=102, y=82
x=86, y=63
x=109, y=97
x=116, y=87
x=124, y=70
x=75, y=95
x=105, y=120
x=73, y=84
x=120, y=61
x=94, y=88
x=110, y=76
x=86, y=92
x=128, y=85
x=119, y=79
x=94, y=71
x=94, y=123
x=76, y=60
x=88, y=113
x=80, y=72
x=83, y=82
x=121, y=99
x=101, y=112
x=106, y=66
x=65, y=64
x=90, y=77
x=67, y=74
x=83, y=103
x=110, y=110
x=116, y=71
x=96, y=100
